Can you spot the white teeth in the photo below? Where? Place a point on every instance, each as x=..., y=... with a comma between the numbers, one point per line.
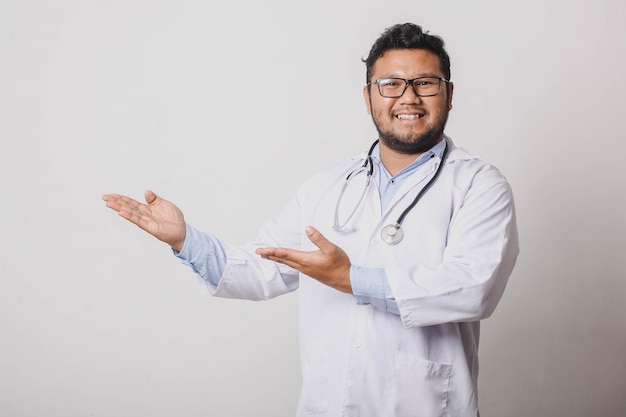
x=409, y=116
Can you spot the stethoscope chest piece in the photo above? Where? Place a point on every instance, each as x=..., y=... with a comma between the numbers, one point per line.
x=392, y=234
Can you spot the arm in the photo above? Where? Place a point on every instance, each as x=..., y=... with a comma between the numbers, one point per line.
x=205, y=254
x=231, y=272
x=329, y=265
x=371, y=286
x=478, y=258
x=481, y=250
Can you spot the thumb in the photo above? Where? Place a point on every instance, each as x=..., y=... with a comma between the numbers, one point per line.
x=318, y=239
x=150, y=197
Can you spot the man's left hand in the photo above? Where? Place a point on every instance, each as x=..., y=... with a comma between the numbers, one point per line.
x=329, y=265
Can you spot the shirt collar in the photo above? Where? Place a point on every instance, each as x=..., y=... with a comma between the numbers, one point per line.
x=436, y=150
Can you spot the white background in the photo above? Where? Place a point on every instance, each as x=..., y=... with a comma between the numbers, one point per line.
x=98, y=319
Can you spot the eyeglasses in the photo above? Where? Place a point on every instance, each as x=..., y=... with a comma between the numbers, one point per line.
x=395, y=87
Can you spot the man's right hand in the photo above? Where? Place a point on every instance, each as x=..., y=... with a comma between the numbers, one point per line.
x=161, y=218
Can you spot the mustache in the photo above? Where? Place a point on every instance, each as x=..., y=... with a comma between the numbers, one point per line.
x=412, y=144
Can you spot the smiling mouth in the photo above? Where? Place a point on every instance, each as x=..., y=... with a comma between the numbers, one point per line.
x=404, y=116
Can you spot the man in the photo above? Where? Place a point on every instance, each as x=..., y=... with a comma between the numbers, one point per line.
x=390, y=295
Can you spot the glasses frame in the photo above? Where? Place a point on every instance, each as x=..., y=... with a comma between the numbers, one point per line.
x=406, y=84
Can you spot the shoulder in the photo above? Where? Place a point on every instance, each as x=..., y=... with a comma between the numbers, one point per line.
x=336, y=172
x=469, y=172
x=461, y=159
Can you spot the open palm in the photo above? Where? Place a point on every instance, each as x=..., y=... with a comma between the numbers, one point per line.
x=159, y=217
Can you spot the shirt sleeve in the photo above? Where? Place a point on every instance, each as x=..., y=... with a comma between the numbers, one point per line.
x=204, y=253
x=370, y=286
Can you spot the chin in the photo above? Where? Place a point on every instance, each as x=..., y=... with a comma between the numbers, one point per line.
x=411, y=144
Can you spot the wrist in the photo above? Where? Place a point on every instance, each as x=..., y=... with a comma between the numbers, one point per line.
x=178, y=244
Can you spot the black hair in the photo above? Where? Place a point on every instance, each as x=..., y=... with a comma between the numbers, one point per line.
x=407, y=36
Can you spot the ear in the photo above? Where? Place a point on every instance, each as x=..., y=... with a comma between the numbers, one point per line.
x=450, y=91
x=366, y=97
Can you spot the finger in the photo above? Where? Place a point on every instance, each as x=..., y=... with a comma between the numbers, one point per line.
x=318, y=239
x=128, y=208
x=112, y=201
x=283, y=255
x=277, y=252
x=285, y=261
x=136, y=217
x=115, y=204
x=119, y=203
x=109, y=197
x=112, y=204
x=150, y=197
x=115, y=197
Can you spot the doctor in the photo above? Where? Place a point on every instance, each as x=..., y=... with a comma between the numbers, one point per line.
x=395, y=266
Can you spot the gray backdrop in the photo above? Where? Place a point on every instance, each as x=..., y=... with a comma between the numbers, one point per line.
x=98, y=319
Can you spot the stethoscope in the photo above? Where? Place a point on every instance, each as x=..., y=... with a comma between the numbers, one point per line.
x=392, y=233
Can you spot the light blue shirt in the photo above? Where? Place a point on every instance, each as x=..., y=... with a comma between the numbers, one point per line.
x=206, y=255
x=370, y=285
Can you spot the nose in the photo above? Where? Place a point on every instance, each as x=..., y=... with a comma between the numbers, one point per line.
x=410, y=94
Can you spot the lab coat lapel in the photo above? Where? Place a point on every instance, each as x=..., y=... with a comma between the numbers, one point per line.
x=412, y=186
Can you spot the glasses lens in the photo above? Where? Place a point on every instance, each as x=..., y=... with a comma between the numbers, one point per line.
x=394, y=87
x=427, y=86
x=391, y=87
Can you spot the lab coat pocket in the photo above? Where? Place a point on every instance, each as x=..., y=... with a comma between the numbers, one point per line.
x=418, y=388
x=315, y=382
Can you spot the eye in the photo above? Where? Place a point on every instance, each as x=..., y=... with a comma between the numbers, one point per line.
x=390, y=82
x=425, y=81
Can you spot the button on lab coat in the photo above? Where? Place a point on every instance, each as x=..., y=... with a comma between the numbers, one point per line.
x=449, y=272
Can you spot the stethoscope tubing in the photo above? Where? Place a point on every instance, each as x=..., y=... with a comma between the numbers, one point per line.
x=423, y=190
x=392, y=233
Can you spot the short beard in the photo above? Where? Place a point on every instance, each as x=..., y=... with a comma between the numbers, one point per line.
x=412, y=144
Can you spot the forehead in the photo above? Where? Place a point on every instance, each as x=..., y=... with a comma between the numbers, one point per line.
x=408, y=63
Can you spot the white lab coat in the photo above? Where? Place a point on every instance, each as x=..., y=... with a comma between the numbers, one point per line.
x=449, y=272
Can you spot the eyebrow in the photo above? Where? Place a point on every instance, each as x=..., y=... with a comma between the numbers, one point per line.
x=392, y=75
